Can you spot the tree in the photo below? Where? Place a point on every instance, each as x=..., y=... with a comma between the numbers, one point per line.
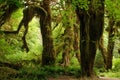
x=48, y=54
x=112, y=8
x=102, y=49
x=111, y=42
x=76, y=41
x=91, y=18
x=68, y=33
x=7, y=7
x=32, y=8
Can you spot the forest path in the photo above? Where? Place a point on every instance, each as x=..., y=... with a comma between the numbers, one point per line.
x=107, y=78
x=73, y=78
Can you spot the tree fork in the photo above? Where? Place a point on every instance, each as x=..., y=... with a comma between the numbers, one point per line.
x=91, y=30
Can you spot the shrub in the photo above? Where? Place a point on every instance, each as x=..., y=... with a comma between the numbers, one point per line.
x=116, y=64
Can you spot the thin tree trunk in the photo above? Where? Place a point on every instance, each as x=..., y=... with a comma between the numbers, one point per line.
x=76, y=43
x=48, y=54
x=102, y=49
x=111, y=43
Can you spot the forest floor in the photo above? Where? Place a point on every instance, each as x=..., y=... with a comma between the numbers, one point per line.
x=6, y=73
x=73, y=78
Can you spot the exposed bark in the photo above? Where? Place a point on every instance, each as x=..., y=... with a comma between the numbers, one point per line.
x=91, y=29
x=111, y=43
x=48, y=54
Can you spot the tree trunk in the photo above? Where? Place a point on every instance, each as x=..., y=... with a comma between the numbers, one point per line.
x=48, y=54
x=7, y=9
x=76, y=42
x=111, y=43
x=91, y=29
x=119, y=50
x=102, y=49
x=87, y=45
x=68, y=46
x=68, y=35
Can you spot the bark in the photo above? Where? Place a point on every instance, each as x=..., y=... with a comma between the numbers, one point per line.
x=91, y=29
x=28, y=14
x=7, y=12
x=68, y=36
x=68, y=46
x=119, y=50
x=48, y=54
x=102, y=49
x=111, y=43
x=76, y=42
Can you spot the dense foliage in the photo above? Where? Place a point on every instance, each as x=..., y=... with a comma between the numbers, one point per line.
x=17, y=64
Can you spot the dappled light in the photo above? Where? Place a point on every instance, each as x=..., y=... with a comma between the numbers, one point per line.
x=59, y=40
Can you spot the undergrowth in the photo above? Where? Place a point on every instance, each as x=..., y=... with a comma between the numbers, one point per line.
x=114, y=72
x=43, y=73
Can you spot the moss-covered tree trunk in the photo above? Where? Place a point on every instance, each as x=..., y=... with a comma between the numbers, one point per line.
x=48, y=54
x=103, y=50
x=91, y=29
x=76, y=42
x=68, y=45
x=68, y=36
x=111, y=42
x=6, y=10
